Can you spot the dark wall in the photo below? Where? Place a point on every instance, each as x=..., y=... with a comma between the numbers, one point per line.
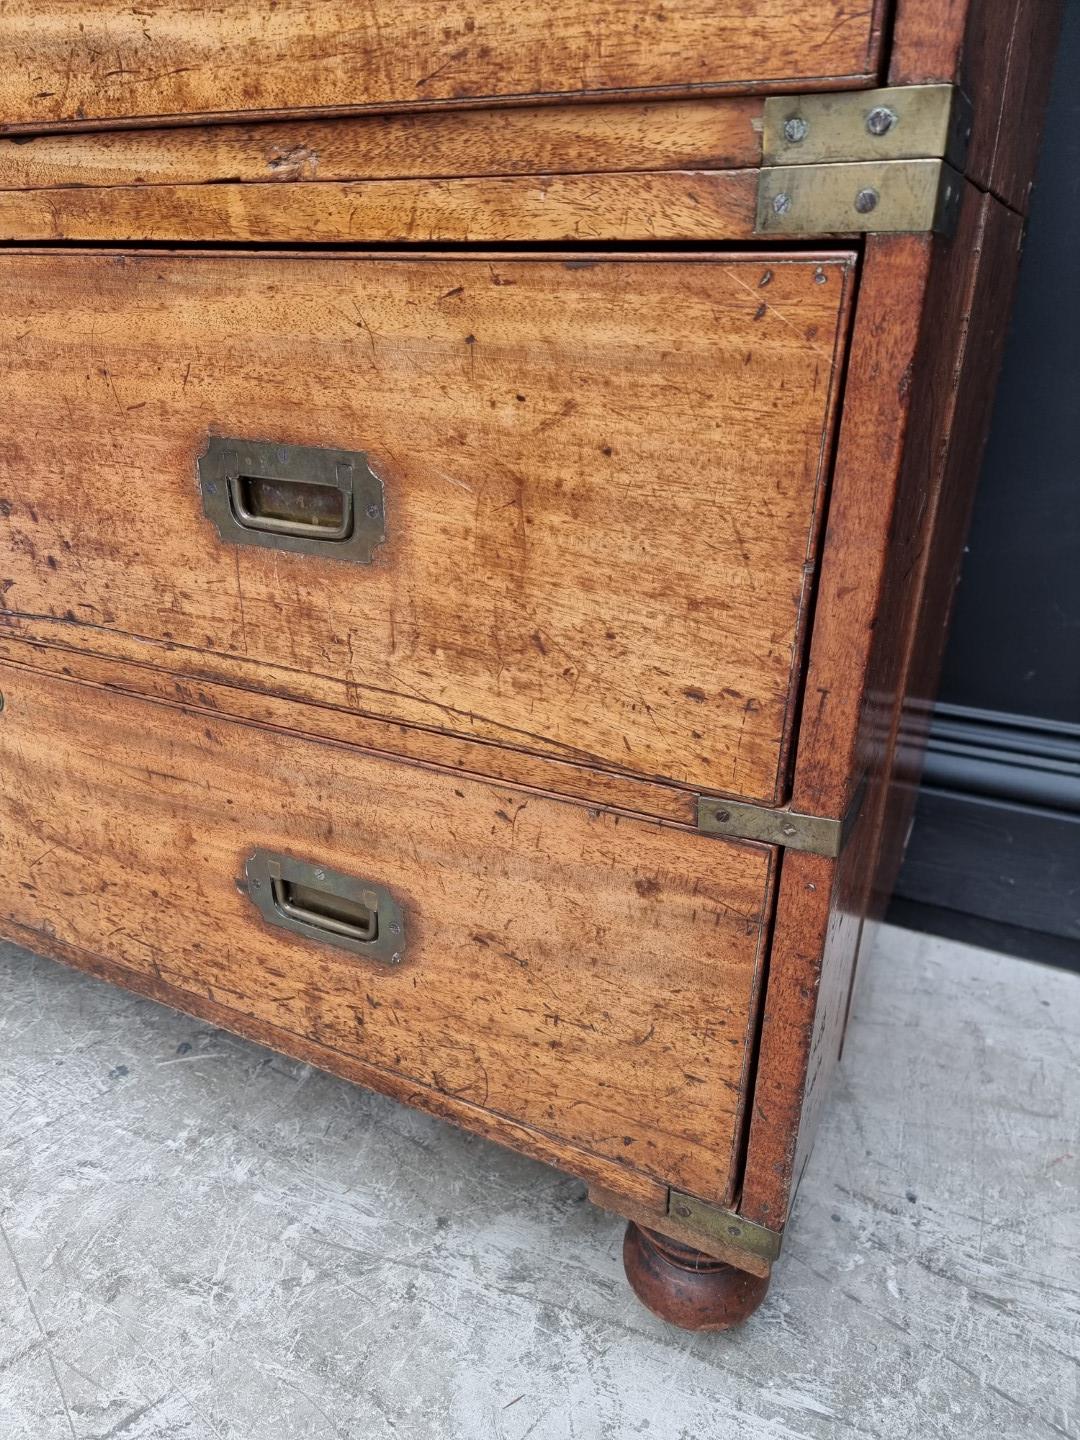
x=997, y=831
x=1015, y=642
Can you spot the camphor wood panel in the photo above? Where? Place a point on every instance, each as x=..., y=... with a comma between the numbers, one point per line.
x=717, y=134
x=147, y=676
x=666, y=170
x=887, y=576
x=707, y=206
x=583, y=974
x=602, y=480
x=94, y=61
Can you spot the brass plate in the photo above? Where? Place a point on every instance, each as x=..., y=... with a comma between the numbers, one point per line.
x=884, y=197
x=724, y=1225
x=902, y=122
x=342, y=519
x=326, y=906
x=816, y=834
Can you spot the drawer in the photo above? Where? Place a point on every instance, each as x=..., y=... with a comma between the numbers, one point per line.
x=78, y=62
x=590, y=976
x=599, y=484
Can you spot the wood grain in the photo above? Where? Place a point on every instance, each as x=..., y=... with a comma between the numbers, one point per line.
x=586, y=975
x=603, y=482
x=962, y=288
x=672, y=205
x=198, y=689
x=85, y=61
x=972, y=369
x=831, y=753
x=720, y=134
x=1001, y=53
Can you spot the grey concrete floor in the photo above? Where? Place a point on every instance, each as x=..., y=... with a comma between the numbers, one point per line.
x=204, y=1241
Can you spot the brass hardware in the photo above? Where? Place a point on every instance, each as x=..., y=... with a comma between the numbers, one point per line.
x=901, y=122
x=292, y=497
x=815, y=834
x=885, y=196
x=885, y=161
x=321, y=904
x=724, y=1226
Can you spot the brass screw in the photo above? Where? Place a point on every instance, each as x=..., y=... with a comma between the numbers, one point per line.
x=881, y=120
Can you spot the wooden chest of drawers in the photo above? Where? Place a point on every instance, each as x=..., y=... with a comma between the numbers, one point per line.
x=480, y=495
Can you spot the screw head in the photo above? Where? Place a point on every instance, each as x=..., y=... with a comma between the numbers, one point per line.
x=395, y=959
x=723, y=816
x=866, y=200
x=781, y=203
x=373, y=512
x=282, y=454
x=795, y=130
x=320, y=874
x=881, y=120
x=683, y=1210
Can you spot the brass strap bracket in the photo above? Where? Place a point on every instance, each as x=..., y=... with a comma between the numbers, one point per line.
x=816, y=834
x=724, y=1227
x=886, y=160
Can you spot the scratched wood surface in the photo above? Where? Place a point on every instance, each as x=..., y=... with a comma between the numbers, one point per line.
x=938, y=376
x=702, y=205
x=89, y=61
x=717, y=134
x=602, y=476
x=148, y=675
x=586, y=975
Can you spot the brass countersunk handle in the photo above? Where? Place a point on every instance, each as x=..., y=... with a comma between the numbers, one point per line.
x=321, y=904
x=303, y=498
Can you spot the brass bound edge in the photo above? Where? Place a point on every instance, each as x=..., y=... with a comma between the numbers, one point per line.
x=724, y=1226
x=881, y=161
x=900, y=122
x=739, y=820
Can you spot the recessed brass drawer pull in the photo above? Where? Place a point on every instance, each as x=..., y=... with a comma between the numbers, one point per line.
x=293, y=497
x=323, y=904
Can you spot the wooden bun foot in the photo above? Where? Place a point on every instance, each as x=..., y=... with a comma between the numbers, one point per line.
x=686, y=1288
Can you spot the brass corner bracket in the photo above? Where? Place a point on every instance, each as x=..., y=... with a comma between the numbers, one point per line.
x=815, y=834
x=862, y=161
x=724, y=1227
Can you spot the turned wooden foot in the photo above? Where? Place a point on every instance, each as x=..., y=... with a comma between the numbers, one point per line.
x=686, y=1288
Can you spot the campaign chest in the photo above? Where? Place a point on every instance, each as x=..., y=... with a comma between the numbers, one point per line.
x=480, y=494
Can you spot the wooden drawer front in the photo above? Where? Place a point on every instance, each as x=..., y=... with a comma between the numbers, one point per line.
x=80, y=61
x=590, y=976
x=602, y=482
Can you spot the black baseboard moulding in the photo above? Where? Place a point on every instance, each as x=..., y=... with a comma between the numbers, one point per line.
x=996, y=838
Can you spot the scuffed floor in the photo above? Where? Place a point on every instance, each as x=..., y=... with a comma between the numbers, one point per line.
x=202, y=1241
